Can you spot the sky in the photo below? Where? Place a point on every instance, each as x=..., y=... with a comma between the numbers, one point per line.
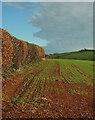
x=57, y=26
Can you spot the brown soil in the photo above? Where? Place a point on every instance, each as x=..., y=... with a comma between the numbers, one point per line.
x=57, y=100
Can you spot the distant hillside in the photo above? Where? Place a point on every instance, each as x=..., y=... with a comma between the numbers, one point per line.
x=16, y=53
x=82, y=54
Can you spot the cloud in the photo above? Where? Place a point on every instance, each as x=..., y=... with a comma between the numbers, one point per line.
x=48, y=0
x=67, y=26
x=18, y=5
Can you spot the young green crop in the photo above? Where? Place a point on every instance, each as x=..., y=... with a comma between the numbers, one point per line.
x=75, y=70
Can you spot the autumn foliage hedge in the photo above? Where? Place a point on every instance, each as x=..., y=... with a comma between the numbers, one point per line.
x=16, y=52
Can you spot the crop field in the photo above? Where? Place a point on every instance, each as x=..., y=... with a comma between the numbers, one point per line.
x=53, y=88
x=78, y=55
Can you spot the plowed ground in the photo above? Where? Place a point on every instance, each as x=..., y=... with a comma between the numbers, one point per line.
x=52, y=89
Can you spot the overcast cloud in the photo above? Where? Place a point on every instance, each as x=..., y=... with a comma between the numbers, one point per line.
x=47, y=0
x=18, y=5
x=66, y=26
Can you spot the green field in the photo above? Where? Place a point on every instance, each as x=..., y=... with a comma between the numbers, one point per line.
x=44, y=90
x=78, y=68
x=82, y=55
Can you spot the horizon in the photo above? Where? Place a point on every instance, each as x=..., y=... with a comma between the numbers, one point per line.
x=56, y=27
x=57, y=52
x=72, y=51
